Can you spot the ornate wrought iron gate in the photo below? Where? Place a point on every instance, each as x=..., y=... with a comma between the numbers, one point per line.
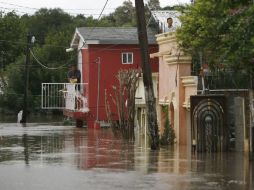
x=208, y=123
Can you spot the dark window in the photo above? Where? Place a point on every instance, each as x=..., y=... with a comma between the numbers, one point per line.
x=127, y=58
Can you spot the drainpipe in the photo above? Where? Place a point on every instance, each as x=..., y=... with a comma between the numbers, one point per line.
x=202, y=75
x=97, y=124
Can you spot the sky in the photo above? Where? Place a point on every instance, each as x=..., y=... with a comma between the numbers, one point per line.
x=86, y=7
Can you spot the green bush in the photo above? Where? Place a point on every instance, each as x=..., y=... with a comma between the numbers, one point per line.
x=168, y=136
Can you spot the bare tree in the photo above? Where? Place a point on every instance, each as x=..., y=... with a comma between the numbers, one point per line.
x=123, y=98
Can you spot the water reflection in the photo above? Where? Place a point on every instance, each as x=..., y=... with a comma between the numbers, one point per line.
x=110, y=163
x=26, y=146
x=98, y=148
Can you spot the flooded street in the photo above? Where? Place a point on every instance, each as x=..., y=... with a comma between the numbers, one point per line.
x=48, y=157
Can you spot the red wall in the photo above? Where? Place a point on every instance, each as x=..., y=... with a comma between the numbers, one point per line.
x=111, y=63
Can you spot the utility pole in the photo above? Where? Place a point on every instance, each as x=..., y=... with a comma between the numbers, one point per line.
x=251, y=130
x=2, y=83
x=147, y=75
x=26, y=78
x=2, y=53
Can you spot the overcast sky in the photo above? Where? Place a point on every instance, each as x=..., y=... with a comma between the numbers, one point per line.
x=86, y=7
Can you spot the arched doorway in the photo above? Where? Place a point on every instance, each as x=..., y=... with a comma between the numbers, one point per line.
x=208, y=128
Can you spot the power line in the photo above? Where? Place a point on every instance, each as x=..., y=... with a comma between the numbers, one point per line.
x=44, y=66
x=70, y=13
x=89, y=9
x=89, y=33
x=97, y=49
x=12, y=42
x=24, y=43
x=33, y=8
x=84, y=43
x=18, y=5
x=97, y=19
x=13, y=93
x=30, y=65
x=6, y=8
x=66, y=10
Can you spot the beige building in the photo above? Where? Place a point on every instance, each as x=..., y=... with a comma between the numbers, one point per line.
x=175, y=84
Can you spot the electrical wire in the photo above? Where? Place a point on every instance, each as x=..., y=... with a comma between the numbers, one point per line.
x=101, y=13
x=103, y=9
x=99, y=49
x=12, y=42
x=33, y=8
x=24, y=43
x=12, y=93
x=18, y=5
x=44, y=66
x=84, y=43
x=15, y=10
x=89, y=33
x=80, y=48
x=69, y=11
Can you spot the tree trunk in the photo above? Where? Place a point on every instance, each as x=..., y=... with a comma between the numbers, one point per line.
x=147, y=76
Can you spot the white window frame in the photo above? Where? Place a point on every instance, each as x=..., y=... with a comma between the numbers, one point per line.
x=127, y=56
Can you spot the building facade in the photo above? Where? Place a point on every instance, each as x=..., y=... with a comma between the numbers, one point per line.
x=102, y=53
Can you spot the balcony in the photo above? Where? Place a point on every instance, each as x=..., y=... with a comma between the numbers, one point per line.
x=64, y=96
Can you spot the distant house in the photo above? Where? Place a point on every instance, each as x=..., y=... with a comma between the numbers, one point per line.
x=102, y=52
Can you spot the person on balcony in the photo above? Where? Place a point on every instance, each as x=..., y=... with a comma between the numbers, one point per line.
x=170, y=27
x=74, y=77
x=74, y=74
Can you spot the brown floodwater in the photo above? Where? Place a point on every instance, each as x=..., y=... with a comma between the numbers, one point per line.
x=52, y=157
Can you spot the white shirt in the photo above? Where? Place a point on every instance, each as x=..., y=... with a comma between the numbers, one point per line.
x=171, y=29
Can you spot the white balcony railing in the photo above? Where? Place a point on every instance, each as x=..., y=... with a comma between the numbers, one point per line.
x=64, y=96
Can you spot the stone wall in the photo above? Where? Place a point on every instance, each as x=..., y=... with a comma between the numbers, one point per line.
x=237, y=117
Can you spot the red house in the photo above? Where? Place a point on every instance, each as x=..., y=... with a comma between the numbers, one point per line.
x=102, y=52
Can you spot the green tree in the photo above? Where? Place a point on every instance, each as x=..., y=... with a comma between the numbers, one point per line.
x=49, y=50
x=154, y=4
x=221, y=32
x=13, y=92
x=179, y=8
x=124, y=15
x=47, y=20
x=11, y=42
x=53, y=30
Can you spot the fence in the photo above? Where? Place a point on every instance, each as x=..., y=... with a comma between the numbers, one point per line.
x=64, y=96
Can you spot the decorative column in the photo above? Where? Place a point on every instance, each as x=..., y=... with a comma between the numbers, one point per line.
x=190, y=84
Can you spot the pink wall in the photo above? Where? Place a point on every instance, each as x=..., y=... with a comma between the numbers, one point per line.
x=166, y=79
x=168, y=74
x=184, y=70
